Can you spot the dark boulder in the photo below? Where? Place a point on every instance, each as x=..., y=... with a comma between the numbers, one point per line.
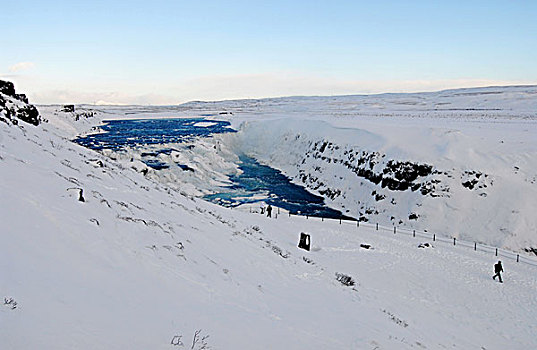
x=7, y=88
x=68, y=108
x=531, y=250
x=29, y=114
x=15, y=105
x=21, y=97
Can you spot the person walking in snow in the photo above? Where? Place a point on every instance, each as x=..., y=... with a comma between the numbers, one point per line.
x=498, y=269
x=269, y=211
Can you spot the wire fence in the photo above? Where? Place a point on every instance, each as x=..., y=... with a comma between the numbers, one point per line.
x=437, y=238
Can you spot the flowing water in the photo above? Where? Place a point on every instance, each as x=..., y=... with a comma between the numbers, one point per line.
x=256, y=183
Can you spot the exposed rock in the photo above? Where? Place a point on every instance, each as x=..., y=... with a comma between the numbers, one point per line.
x=7, y=88
x=400, y=176
x=413, y=216
x=332, y=194
x=393, y=175
x=21, y=97
x=531, y=250
x=29, y=114
x=68, y=108
x=345, y=279
x=86, y=114
x=474, y=180
x=185, y=167
x=15, y=106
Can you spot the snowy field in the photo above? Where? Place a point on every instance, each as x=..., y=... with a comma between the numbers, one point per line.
x=141, y=265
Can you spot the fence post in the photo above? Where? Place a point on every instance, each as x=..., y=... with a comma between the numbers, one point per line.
x=322, y=218
x=434, y=237
x=340, y=221
x=377, y=226
x=357, y=223
x=475, y=246
x=394, y=230
x=454, y=239
x=306, y=217
x=289, y=214
x=413, y=233
x=278, y=210
x=517, y=257
x=496, y=251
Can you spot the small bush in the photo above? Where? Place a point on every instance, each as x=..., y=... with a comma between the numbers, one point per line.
x=10, y=302
x=199, y=341
x=344, y=279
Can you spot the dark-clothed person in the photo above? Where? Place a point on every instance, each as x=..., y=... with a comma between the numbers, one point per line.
x=498, y=269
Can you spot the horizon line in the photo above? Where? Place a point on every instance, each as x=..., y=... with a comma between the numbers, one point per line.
x=296, y=96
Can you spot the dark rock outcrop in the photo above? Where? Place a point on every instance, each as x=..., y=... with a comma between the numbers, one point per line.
x=21, y=97
x=413, y=216
x=531, y=250
x=28, y=114
x=385, y=178
x=68, y=108
x=393, y=175
x=474, y=180
x=7, y=88
x=14, y=107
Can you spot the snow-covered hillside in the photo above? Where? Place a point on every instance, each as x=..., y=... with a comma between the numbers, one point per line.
x=95, y=255
x=461, y=163
x=457, y=180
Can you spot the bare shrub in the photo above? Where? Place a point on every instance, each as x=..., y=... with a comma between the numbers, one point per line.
x=345, y=279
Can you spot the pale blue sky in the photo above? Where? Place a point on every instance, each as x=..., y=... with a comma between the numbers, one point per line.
x=165, y=52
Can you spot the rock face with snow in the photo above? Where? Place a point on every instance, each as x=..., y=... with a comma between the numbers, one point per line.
x=460, y=163
x=14, y=107
x=394, y=175
x=457, y=186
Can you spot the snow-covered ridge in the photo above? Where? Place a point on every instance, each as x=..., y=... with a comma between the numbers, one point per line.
x=518, y=102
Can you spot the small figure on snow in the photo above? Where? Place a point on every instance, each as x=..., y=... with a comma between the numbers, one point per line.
x=262, y=206
x=81, y=195
x=269, y=211
x=498, y=269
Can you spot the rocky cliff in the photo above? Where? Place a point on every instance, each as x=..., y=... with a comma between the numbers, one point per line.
x=15, y=107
